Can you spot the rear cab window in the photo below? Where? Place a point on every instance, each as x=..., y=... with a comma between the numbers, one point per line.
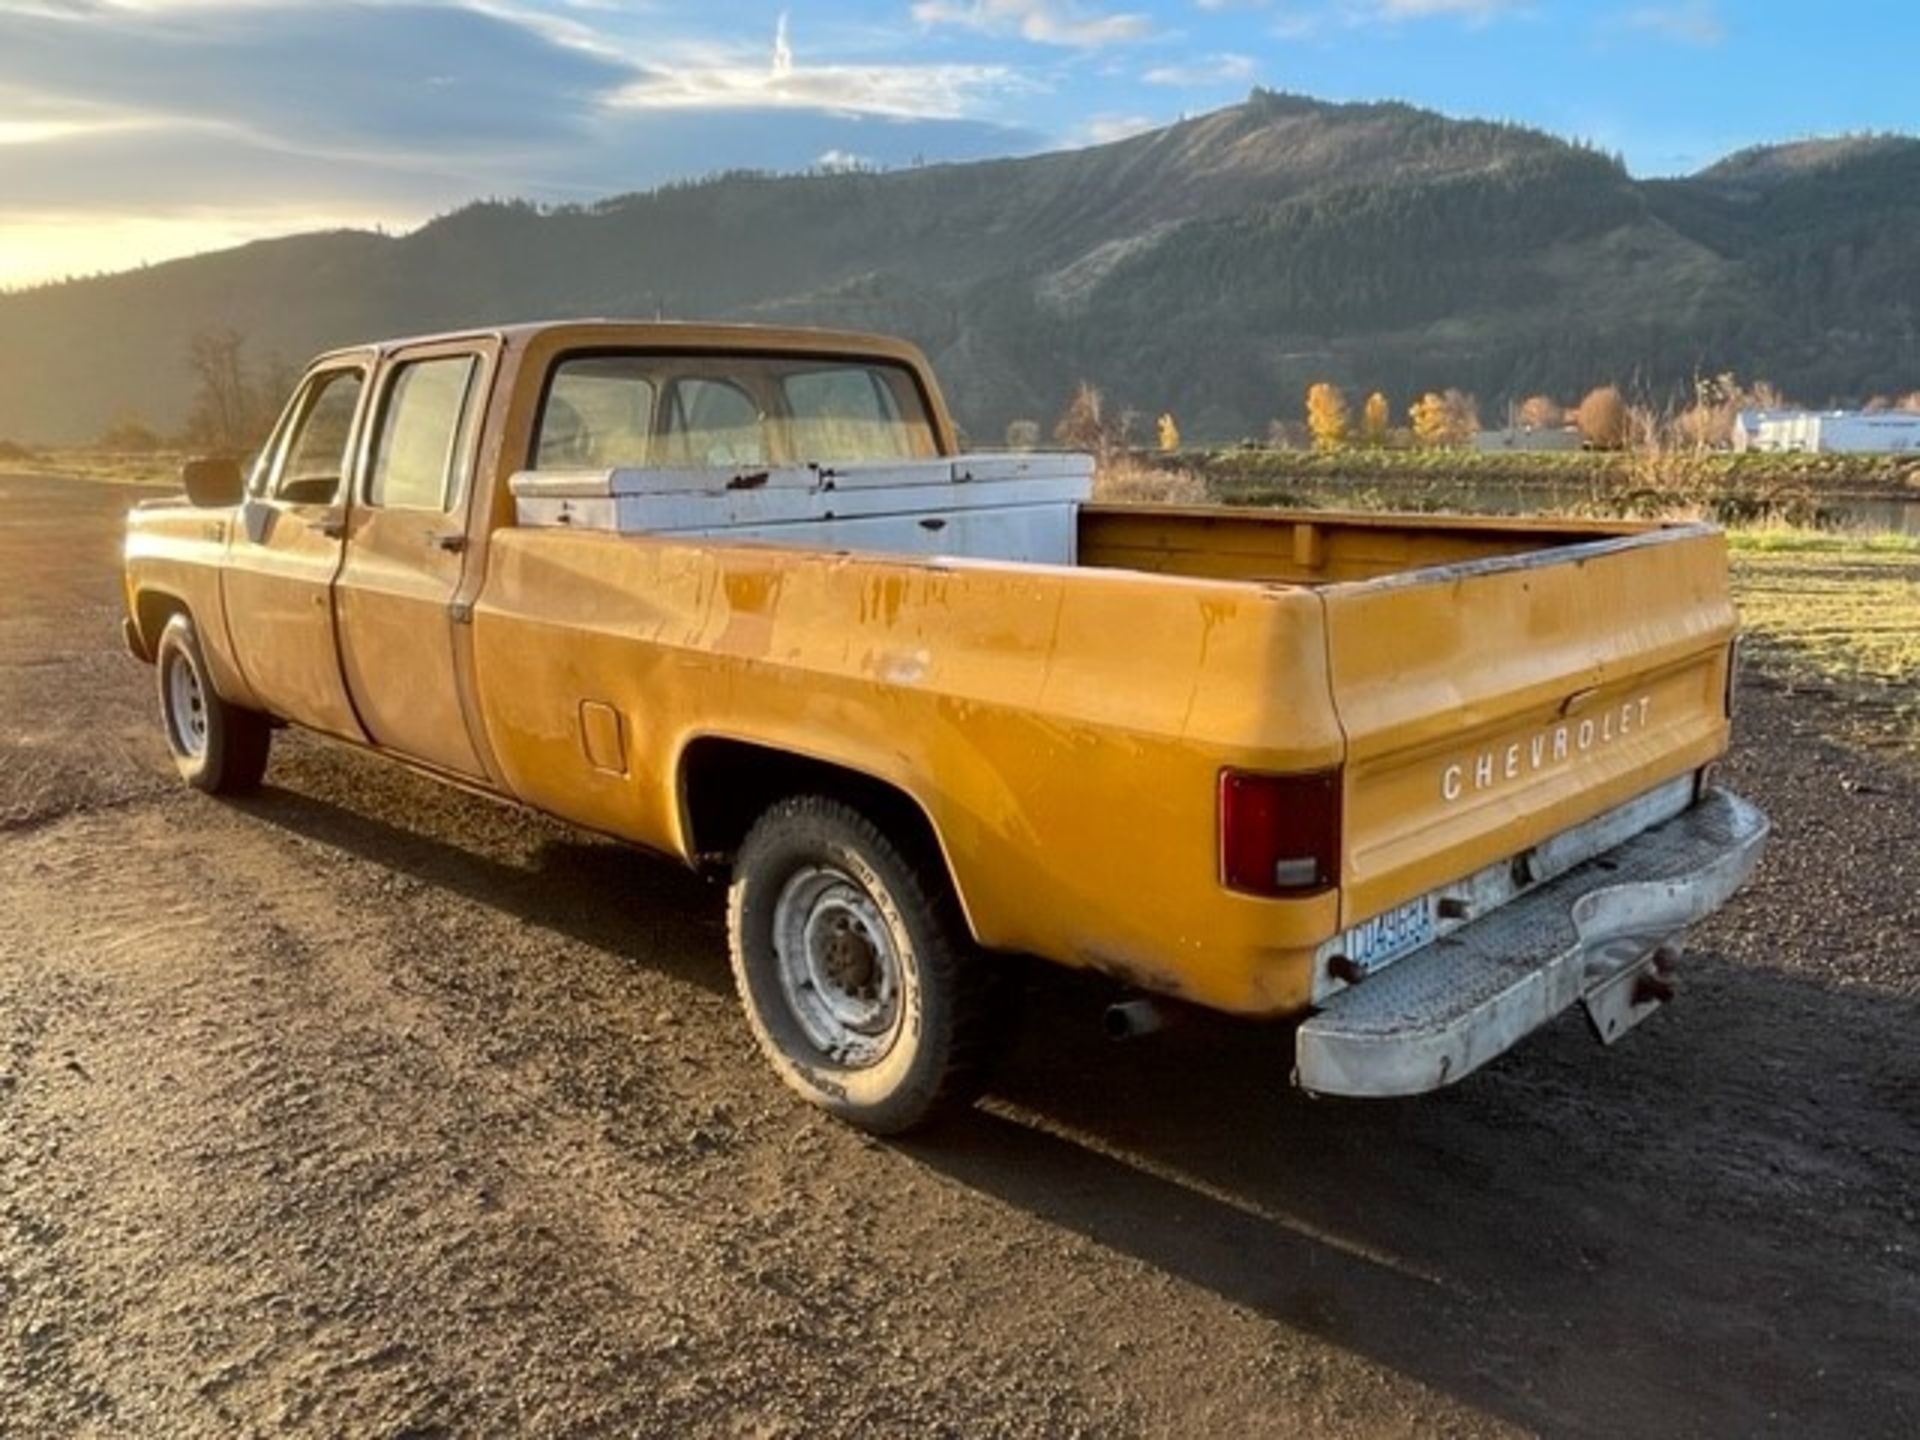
x=639, y=409
x=426, y=430
x=598, y=414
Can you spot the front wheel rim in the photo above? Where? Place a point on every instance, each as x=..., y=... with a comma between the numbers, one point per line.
x=839, y=967
x=186, y=705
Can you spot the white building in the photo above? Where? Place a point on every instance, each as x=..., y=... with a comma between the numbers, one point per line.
x=1829, y=432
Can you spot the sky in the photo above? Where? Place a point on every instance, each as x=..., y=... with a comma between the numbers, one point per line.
x=132, y=131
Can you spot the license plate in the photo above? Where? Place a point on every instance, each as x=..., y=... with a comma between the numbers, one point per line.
x=1387, y=937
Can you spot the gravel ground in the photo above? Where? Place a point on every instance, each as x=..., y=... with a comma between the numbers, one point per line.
x=366, y=1107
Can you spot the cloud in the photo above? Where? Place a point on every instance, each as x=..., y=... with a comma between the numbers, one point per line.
x=708, y=76
x=1299, y=22
x=1207, y=70
x=1044, y=22
x=1693, y=22
x=842, y=160
x=411, y=78
x=1478, y=12
x=156, y=120
x=1105, y=129
x=1421, y=9
x=166, y=165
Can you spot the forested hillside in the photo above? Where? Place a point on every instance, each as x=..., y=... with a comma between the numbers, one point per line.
x=1213, y=268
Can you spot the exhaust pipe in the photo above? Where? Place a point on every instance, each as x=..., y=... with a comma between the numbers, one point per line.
x=1131, y=1019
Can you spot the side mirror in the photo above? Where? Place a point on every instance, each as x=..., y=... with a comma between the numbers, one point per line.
x=213, y=483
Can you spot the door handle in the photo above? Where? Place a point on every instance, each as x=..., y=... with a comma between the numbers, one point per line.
x=333, y=524
x=451, y=541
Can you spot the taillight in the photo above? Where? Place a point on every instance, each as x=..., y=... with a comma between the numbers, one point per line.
x=1279, y=834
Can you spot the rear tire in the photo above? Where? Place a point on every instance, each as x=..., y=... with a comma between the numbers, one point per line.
x=862, y=986
x=218, y=748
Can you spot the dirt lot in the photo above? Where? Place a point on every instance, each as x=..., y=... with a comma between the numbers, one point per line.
x=368, y=1108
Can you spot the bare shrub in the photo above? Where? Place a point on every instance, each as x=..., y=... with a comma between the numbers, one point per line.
x=1707, y=423
x=1542, y=412
x=234, y=404
x=128, y=435
x=1083, y=425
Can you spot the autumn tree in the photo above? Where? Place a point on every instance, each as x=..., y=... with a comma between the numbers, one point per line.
x=1376, y=417
x=1169, y=433
x=1327, y=416
x=1445, y=419
x=1428, y=416
x=1603, y=419
x=1542, y=412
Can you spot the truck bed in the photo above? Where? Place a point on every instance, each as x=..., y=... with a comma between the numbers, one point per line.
x=1478, y=686
x=1024, y=508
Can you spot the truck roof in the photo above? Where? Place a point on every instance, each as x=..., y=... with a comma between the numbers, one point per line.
x=667, y=334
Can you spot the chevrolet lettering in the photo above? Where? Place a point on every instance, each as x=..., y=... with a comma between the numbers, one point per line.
x=1565, y=741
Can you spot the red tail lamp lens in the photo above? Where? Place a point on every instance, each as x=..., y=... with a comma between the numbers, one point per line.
x=1279, y=834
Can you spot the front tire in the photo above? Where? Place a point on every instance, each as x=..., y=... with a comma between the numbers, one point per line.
x=218, y=748
x=862, y=986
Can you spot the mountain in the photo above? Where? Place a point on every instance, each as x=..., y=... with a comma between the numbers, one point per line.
x=1214, y=268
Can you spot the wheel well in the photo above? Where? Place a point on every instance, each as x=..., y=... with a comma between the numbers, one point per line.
x=152, y=610
x=725, y=785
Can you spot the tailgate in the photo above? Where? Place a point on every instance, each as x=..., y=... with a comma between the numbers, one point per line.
x=1492, y=704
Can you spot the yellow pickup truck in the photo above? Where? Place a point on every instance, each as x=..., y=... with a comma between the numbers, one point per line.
x=737, y=595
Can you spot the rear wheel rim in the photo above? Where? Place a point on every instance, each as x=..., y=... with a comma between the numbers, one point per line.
x=186, y=705
x=839, y=968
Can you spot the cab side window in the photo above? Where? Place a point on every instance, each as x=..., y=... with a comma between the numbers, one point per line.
x=315, y=457
x=420, y=457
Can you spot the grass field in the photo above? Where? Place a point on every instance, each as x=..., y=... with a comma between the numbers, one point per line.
x=1242, y=474
x=155, y=467
x=1838, y=617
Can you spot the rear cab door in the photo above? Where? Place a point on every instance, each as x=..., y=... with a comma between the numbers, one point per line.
x=407, y=550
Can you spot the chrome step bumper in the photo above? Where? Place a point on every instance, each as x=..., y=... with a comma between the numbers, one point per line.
x=1590, y=935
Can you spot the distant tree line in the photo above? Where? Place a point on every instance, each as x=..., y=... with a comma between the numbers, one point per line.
x=1605, y=418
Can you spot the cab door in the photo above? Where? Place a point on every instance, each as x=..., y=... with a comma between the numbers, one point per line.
x=286, y=550
x=407, y=544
